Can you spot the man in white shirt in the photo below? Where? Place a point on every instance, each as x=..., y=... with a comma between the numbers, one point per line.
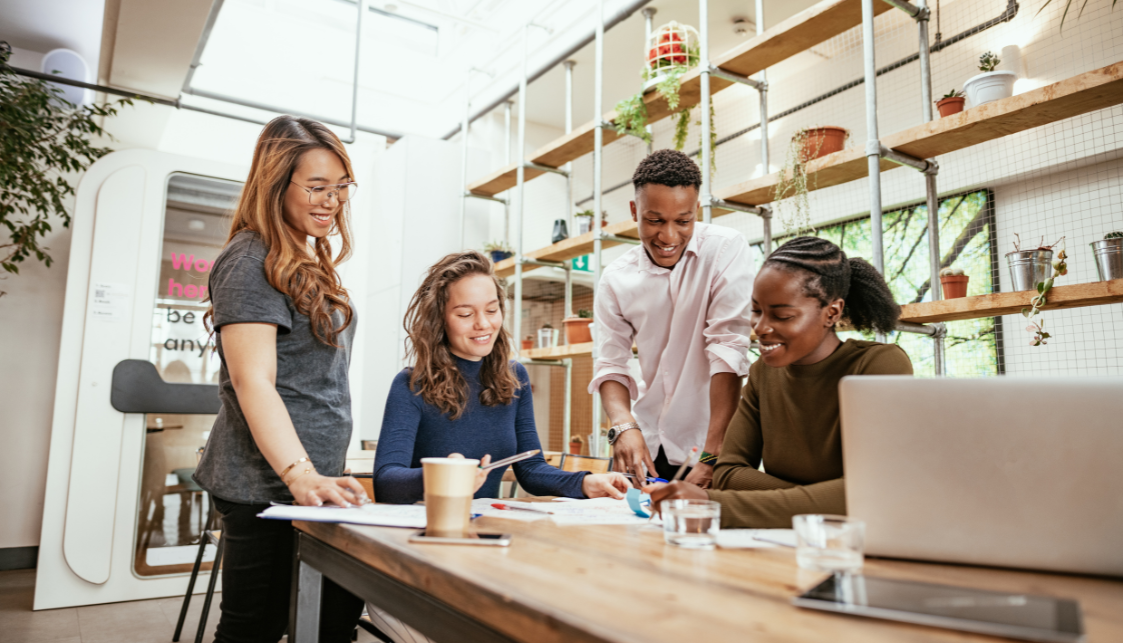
x=683, y=297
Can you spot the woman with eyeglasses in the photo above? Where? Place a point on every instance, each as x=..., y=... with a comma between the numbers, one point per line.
x=284, y=327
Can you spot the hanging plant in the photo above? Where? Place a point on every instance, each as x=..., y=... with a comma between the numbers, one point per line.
x=673, y=51
x=1060, y=268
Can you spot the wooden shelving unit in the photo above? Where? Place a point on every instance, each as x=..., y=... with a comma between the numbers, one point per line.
x=802, y=31
x=559, y=352
x=1071, y=97
x=1010, y=303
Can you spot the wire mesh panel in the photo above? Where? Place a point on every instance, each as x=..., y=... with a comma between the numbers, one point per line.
x=1064, y=179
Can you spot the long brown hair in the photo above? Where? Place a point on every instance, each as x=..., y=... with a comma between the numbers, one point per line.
x=311, y=283
x=435, y=376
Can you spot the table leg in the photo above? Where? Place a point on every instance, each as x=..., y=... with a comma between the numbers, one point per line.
x=304, y=613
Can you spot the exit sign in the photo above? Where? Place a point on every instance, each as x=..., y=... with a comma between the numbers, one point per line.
x=582, y=263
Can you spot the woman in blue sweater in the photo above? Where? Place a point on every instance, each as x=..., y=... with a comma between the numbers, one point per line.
x=464, y=395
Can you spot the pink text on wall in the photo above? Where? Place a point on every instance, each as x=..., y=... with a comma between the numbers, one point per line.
x=189, y=263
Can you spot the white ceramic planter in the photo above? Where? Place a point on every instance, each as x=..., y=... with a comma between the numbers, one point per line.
x=990, y=86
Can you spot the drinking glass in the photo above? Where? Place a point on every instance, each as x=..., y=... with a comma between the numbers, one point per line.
x=827, y=543
x=691, y=523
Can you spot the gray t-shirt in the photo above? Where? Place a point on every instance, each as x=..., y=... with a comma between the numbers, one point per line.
x=311, y=380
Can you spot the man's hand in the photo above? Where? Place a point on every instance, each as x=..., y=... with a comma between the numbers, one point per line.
x=601, y=485
x=702, y=475
x=672, y=491
x=630, y=455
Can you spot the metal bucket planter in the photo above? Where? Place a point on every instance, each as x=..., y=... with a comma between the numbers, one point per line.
x=1029, y=268
x=1109, y=258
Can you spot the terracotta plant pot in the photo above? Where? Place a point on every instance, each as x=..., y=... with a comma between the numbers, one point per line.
x=955, y=286
x=820, y=141
x=949, y=106
x=575, y=448
x=527, y=344
x=577, y=330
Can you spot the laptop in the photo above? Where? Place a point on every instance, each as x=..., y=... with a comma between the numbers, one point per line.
x=1005, y=471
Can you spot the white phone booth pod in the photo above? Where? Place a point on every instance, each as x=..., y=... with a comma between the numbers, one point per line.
x=121, y=510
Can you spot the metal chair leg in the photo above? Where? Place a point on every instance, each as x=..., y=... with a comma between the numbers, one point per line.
x=210, y=588
x=194, y=575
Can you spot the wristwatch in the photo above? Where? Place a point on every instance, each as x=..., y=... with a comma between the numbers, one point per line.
x=615, y=431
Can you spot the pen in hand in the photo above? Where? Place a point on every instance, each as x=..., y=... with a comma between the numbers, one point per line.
x=678, y=475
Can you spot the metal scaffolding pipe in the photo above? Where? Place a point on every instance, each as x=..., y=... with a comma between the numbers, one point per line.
x=737, y=207
x=520, y=178
x=873, y=142
x=485, y=197
x=527, y=261
x=766, y=218
x=355, y=74
x=619, y=16
x=619, y=239
x=545, y=168
x=906, y=6
x=648, y=27
x=568, y=218
x=763, y=91
x=598, y=145
x=921, y=165
x=934, y=261
x=704, y=68
x=735, y=78
x=932, y=330
x=925, y=63
x=507, y=132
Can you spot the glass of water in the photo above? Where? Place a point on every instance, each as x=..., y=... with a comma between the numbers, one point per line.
x=691, y=523
x=828, y=543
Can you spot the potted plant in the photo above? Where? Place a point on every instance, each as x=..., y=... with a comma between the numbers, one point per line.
x=499, y=250
x=547, y=336
x=669, y=47
x=990, y=85
x=954, y=282
x=804, y=146
x=1028, y=265
x=951, y=103
x=577, y=329
x=1109, y=256
x=575, y=444
x=528, y=343
x=820, y=141
x=584, y=220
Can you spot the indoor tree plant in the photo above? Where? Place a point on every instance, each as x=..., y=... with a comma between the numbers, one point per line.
x=577, y=329
x=1068, y=5
x=44, y=142
x=951, y=103
x=990, y=85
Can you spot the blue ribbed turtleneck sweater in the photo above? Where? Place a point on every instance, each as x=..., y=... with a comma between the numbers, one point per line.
x=413, y=429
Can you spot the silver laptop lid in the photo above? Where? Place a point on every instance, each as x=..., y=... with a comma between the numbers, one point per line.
x=1007, y=471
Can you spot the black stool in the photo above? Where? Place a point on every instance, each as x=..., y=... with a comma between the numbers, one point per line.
x=214, y=536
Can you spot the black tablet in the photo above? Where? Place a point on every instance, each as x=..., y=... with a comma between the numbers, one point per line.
x=1020, y=616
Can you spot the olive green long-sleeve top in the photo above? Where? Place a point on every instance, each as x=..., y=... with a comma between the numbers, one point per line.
x=789, y=418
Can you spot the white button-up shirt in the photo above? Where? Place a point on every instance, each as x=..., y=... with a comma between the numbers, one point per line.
x=688, y=323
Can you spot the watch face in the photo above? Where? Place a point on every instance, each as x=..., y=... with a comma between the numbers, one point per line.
x=612, y=435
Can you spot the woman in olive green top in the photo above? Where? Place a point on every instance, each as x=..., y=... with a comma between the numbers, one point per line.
x=788, y=414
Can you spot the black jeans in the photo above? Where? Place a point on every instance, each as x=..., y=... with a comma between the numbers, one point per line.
x=665, y=469
x=257, y=574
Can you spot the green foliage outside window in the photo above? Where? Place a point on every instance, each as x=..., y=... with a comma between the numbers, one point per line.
x=966, y=242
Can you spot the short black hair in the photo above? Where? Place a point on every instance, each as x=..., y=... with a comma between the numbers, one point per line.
x=829, y=274
x=667, y=167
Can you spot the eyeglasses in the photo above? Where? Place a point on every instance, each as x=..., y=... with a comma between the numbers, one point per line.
x=323, y=193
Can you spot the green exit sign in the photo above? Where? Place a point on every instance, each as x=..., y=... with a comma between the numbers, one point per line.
x=582, y=263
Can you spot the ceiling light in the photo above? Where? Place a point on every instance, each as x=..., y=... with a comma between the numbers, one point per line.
x=197, y=225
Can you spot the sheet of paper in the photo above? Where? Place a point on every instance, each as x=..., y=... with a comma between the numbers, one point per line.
x=595, y=511
x=482, y=506
x=374, y=514
x=755, y=538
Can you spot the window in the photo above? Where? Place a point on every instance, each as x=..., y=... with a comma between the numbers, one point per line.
x=967, y=240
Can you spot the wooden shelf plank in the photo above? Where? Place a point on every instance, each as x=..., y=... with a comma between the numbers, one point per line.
x=1078, y=95
x=1011, y=303
x=560, y=352
x=569, y=248
x=798, y=33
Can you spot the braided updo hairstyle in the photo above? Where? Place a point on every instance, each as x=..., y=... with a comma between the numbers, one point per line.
x=831, y=275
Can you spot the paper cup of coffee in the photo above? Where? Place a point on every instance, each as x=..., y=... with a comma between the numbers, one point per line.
x=450, y=484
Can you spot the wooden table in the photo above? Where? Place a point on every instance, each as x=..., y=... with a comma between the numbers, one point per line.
x=623, y=584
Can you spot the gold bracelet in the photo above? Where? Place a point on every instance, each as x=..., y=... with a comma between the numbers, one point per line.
x=306, y=470
x=289, y=468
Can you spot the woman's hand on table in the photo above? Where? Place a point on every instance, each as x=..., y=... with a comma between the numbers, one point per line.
x=601, y=485
x=661, y=491
x=314, y=490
